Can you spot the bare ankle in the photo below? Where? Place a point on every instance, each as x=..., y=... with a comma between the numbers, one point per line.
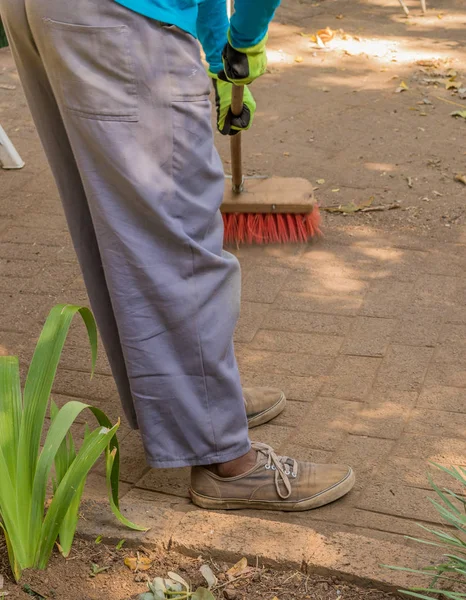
x=236, y=467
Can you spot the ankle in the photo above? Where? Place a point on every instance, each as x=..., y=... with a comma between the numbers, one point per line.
x=236, y=467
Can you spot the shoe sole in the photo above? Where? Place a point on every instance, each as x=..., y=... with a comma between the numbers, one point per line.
x=267, y=415
x=332, y=494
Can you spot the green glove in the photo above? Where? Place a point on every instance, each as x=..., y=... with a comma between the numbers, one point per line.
x=227, y=122
x=243, y=65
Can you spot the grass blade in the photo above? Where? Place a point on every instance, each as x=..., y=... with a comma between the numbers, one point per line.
x=37, y=390
x=87, y=456
x=15, y=567
x=10, y=410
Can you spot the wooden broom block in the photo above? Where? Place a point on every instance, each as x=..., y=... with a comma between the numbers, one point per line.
x=270, y=195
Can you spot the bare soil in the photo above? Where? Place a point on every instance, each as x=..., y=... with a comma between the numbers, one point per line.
x=72, y=579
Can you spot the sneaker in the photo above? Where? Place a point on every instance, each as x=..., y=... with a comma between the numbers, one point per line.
x=274, y=483
x=263, y=404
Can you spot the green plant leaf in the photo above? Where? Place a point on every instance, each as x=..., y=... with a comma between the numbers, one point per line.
x=15, y=567
x=36, y=396
x=10, y=421
x=88, y=454
x=112, y=487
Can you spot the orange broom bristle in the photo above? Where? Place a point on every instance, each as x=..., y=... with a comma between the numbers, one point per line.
x=271, y=228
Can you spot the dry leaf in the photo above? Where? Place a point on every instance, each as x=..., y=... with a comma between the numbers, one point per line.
x=336, y=190
x=349, y=208
x=401, y=88
x=326, y=35
x=452, y=73
x=298, y=59
x=339, y=17
x=319, y=42
x=138, y=563
x=459, y=113
x=460, y=178
x=209, y=576
x=440, y=16
x=313, y=38
x=239, y=568
x=286, y=154
x=320, y=181
x=453, y=85
x=462, y=93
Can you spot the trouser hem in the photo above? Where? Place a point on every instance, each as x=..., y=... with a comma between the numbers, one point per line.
x=201, y=461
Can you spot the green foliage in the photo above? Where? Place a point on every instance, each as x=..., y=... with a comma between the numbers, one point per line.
x=449, y=577
x=30, y=528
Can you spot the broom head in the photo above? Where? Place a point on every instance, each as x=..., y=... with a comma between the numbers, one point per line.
x=270, y=210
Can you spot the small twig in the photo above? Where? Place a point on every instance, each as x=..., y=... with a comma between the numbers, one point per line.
x=450, y=101
x=404, y=7
x=290, y=577
x=382, y=207
x=230, y=582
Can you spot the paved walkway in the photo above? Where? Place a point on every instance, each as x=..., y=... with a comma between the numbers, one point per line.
x=364, y=331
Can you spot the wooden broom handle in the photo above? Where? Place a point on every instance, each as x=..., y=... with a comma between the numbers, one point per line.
x=235, y=140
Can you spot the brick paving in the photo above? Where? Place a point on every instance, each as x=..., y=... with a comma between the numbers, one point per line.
x=365, y=334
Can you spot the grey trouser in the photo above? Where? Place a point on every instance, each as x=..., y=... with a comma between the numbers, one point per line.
x=121, y=105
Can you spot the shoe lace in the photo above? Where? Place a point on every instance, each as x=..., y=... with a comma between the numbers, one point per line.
x=284, y=467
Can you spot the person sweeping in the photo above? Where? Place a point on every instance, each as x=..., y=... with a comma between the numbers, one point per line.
x=120, y=99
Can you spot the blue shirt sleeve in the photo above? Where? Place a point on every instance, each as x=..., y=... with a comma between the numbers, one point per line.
x=248, y=26
x=212, y=28
x=250, y=22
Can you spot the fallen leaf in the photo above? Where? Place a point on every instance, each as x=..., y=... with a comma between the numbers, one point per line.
x=298, y=59
x=453, y=85
x=326, y=35
x=138, y=563
x=286, y=154
x=440, y=16
x=326, y=90
x=460, y=178
x=320, y=181
x=462, y=93
x=336, y=190
x=401, y=88
x=120, y=544
x=239, y=568
x=209, y=576
x=452, y=73
x=459, y=113
x=96, y=570
x=98, y=539
x=313, y=38
x=178, y=579
x=339, y=17
x=349, y=208
x=319, y=42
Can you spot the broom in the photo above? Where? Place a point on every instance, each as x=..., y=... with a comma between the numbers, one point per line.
x=265, y=210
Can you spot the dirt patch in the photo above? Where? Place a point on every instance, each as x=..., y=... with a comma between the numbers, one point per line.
x=72, y=579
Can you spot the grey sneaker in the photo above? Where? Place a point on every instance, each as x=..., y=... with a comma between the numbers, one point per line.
x=263, y=404
x=274, y=483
